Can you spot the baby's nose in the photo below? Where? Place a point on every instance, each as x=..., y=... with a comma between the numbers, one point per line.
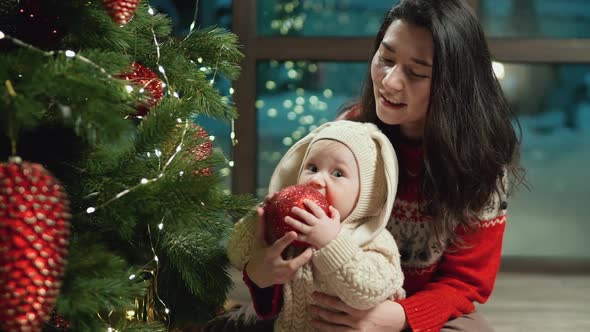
x=317, y=181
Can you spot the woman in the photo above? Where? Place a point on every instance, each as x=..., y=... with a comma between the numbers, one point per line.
x=432, y=90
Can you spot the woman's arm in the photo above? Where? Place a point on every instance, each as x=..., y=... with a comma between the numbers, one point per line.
x=387, y=316
x=465, y=274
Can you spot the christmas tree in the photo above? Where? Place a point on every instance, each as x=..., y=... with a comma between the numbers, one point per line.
x=112, y=211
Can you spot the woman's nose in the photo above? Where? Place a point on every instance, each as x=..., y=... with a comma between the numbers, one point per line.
x=393, y=80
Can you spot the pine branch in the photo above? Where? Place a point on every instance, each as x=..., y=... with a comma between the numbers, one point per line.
x=71, y=115
x=92, y=27
x=217, y=49
x=96, y=282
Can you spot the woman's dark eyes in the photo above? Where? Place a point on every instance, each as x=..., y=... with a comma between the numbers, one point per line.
x=390, y=62
x=386, y=61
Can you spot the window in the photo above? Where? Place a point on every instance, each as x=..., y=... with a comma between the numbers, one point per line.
x=293, y=98
x=535, y=18
x=542, y=49
x=553, y=103
x=309, y=18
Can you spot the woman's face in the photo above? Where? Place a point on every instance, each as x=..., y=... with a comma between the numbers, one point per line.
x=402, y=73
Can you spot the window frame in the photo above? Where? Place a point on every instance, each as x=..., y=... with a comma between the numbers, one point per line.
x=257, y=48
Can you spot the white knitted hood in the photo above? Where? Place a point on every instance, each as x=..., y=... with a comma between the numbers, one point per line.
x=378, y=170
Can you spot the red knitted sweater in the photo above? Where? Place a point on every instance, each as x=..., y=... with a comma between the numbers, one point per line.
x=442, y=281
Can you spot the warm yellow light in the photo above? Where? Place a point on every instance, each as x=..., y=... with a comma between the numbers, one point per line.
x=272, y=112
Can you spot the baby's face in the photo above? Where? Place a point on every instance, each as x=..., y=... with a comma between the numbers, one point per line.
x=332, y=169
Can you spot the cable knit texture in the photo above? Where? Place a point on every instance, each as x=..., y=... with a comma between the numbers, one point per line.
x=362, y=265
x=361, y=276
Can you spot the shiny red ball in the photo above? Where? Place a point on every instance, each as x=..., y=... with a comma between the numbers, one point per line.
x=146, y=80
x=280, y=206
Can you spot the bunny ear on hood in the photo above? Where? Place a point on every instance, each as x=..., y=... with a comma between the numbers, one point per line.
x=378, y=169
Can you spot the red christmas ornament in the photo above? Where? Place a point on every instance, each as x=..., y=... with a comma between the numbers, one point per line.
x=34, y=231
x=148, y=81
x=121, y=11
x=203, y=150
x=280, y=206
x=200, y=152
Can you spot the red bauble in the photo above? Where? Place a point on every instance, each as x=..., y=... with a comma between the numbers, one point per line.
x=280, y=206
x=34, y=232
x=144, y=78
x=200, y=152
x=39, y=23
x=203, y=150
x=121, y=11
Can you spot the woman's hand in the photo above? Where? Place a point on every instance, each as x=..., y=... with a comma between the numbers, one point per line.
x=331, y=314
x=266, y=266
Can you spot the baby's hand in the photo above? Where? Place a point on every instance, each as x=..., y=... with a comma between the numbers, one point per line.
x=318, y=229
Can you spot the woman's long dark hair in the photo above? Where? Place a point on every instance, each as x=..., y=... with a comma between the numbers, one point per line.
x=469, y=141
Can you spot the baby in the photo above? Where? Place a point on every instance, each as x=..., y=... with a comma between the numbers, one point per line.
x=354, y=166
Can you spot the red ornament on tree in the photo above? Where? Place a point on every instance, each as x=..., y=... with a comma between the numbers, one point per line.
x=121, y=11
x=148, y=81
x=280, y=206
x=200, y=152
x=203, y=150
x=34, y=231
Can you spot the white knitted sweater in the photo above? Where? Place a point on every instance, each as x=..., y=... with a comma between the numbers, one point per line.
x=362, y=276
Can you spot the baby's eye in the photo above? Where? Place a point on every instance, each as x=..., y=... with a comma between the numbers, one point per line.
x=312, y=168
x=338, y=174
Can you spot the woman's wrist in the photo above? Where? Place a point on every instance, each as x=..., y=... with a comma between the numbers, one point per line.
x=390, y=316
x=403, y=321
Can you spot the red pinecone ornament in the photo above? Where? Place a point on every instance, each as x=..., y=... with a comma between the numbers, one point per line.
x=145, y=79
x=203, y=150
x=280, y=206
x=121, y=11
x=34, y=231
